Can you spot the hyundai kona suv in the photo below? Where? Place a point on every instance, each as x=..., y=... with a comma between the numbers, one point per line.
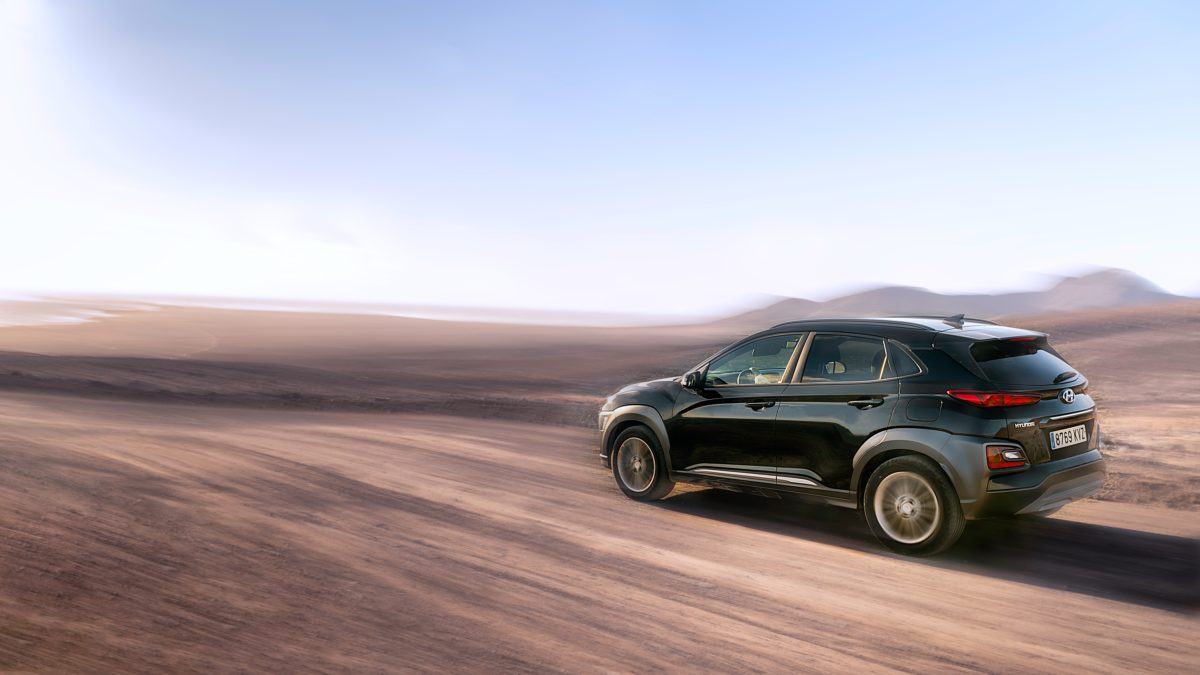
x=921, y=423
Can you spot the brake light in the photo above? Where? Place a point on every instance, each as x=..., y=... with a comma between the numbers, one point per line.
x=1023, y=338
x=993, y=399
x=1005, y=457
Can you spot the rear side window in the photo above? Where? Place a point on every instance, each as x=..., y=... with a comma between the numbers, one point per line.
x=844, y=358
x=1019, y=361
x=902, y=363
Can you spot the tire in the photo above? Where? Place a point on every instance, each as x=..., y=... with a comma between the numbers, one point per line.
x=911, y=507
x=638, y=466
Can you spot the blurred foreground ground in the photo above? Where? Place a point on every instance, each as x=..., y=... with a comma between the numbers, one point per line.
x=194, y=489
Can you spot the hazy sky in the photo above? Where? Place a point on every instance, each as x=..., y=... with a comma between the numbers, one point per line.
x=622, y=156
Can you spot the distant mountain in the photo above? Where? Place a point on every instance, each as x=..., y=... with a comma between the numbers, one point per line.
x=1106, y=288
x=1109, y=288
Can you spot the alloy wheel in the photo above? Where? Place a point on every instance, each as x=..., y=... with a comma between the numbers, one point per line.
x=635, y=464
x=907, y=508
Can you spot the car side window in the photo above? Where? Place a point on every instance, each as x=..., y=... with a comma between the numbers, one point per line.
x=762, y=361
x=901, y=362
x=845, y=358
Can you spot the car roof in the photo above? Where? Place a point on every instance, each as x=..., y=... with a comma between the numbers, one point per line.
x=906, y=326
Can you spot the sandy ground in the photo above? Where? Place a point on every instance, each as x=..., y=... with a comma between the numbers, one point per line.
x=347, y=362
x=146, y=537
x=193, y=489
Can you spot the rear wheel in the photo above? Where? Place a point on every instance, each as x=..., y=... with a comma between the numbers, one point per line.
x=911, y=506
x=638, y=465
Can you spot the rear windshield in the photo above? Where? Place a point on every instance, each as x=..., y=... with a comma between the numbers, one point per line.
x=1020, y=362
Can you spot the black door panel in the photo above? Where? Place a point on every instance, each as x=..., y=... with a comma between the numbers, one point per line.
x=820, y=426
x=726, y=426
x=844, y=394
x=729, y=425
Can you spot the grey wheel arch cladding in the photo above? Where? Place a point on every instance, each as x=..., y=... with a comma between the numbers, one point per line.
x=953, y=455
x=642, y=414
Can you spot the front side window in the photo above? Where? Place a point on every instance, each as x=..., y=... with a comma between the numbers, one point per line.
x=762, y=361
x=845, y=358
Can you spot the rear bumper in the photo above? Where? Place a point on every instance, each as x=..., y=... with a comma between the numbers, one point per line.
x=1043, y=487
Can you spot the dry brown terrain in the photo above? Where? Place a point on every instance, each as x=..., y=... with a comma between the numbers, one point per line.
x=193, y=489
x=143, y=536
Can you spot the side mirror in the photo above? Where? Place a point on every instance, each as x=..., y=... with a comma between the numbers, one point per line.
x=694, y=381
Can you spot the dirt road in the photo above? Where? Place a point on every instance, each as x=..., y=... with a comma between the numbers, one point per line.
x=143, y=537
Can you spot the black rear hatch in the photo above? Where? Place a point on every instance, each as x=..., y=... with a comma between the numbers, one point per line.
x=1062, y=423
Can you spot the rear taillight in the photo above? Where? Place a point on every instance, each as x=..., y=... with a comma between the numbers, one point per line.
x=993, y=399
x=1005, y=457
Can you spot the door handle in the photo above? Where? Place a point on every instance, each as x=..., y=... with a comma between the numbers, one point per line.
x=759, y=405
x=864, y=403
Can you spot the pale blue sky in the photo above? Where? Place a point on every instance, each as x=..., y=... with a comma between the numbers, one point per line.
x=639, y=156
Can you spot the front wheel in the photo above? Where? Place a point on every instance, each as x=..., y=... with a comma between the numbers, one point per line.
x=911, y=507
x=638, y=466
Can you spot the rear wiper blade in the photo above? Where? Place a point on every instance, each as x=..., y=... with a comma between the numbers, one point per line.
x=1063, y=377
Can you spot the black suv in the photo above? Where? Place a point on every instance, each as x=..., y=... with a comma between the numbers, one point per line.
x=922, y=423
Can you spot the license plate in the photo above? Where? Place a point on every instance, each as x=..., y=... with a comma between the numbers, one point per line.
x=1069, y=436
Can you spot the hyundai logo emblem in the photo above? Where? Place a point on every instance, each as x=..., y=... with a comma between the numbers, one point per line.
x=1067, y=396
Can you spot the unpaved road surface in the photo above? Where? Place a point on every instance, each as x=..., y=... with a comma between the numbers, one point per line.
x=145, y=537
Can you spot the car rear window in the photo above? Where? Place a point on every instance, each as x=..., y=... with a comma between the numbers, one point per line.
x=1019, y=361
